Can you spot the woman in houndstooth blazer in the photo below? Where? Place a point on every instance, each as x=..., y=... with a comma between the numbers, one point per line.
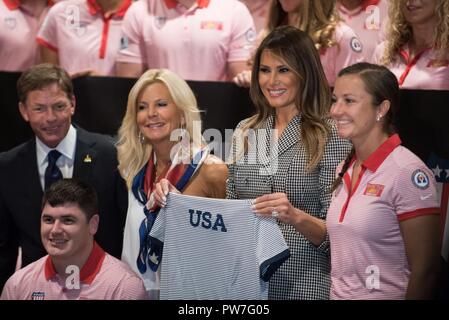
x=286, y=155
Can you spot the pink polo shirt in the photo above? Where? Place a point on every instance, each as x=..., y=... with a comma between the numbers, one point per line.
x=368, y=259
x=369, y=22
x=18, y=29
x=197, y=44
x=83, y=36
x=103, y=277
x=423, y=72
x=347, y=51
x=259, y=11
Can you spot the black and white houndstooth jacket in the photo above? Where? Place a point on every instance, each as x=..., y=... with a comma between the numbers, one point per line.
x=306, y=274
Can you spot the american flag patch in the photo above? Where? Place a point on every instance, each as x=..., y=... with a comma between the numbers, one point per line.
x=38, y=295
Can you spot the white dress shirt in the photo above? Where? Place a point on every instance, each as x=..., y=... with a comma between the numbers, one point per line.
x=65, y=162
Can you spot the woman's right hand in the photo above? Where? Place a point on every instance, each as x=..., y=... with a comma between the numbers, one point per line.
x=243, y=79
x=161, y=189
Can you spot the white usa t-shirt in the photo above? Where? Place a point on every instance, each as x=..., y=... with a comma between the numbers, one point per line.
x=216, y=249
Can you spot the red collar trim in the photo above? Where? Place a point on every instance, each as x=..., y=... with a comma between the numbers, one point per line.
x=365, y=4
x=89, y=270
x=14, y=4
x=171, y=4
x=95, y=8
x=381, y=153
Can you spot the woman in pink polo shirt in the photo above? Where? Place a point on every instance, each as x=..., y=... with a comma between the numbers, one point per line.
x=368, y=19
x=336, y=42
x=417, y=49
x=383, y=221
x=20, y=21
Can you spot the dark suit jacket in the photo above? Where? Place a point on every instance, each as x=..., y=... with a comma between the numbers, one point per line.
x=21, y=196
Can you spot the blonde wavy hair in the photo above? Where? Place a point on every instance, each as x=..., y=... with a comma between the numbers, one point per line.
x=313, y=100
x=400, y=32
x=132, y=152
x=318, y=18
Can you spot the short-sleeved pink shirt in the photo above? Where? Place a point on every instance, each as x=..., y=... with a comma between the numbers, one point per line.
x=425, y=71
x=347, y=51
x=259, y=11
x=83, y=37
x=196, y=43
x=102, y=277
x=369, y=22
x=368, y=259
x=18, y=29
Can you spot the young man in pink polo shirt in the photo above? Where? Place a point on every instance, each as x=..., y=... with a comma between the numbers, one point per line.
x=368, y=19
x=83, y=36
x=203, y=40
x=19, y=22
x=76, y=267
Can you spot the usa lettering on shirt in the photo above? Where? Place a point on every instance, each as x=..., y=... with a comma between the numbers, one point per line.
x=216, y=249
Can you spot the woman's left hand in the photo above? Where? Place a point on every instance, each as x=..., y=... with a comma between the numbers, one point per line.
x=276, y=205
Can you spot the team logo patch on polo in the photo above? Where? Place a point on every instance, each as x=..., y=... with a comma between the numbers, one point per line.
x=420, y=179
x=355, y=44
x=374, y=190
x=159, y=22
x=212, y=25
x=250, y=35
x=38, y=295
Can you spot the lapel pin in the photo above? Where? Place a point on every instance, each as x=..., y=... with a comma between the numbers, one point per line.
x=87, y=159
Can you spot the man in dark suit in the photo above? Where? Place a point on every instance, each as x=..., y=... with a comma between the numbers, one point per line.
x=47, y=103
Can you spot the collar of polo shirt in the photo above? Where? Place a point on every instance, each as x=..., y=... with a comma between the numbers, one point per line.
x=88, y=271
x=365, y=4
x=14, y=4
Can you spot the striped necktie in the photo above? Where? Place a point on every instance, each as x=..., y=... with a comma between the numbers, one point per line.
x=52, y=173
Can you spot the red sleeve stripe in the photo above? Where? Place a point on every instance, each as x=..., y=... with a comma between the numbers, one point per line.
x=419, y=212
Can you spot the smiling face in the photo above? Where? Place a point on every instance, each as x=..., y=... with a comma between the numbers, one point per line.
x=353, y=110
x=157, y=114
x=65, y=232
x=49, y=112
x=419, y=11
x=279, y=84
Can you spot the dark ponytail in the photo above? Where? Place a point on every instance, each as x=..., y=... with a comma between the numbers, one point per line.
x=345, y=167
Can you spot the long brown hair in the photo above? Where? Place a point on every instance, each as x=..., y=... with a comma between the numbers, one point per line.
x=313, y=101
x=318, y=18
